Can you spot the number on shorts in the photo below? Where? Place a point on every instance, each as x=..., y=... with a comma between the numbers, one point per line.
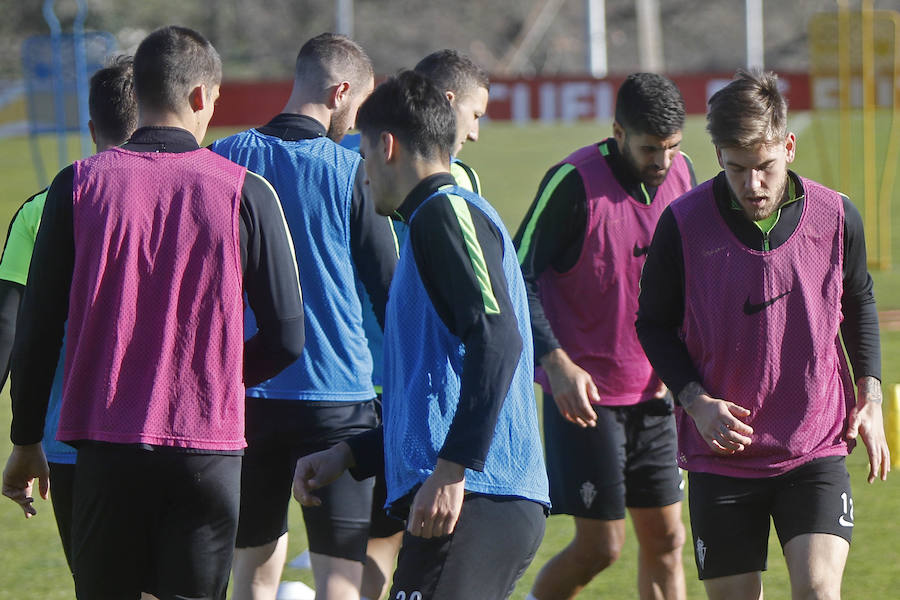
x=414, y=596
x=848, y=505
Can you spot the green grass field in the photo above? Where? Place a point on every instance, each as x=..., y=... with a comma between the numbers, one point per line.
x=511, y=161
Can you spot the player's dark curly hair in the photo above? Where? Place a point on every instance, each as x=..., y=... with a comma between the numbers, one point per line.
x=169, y=63
x=412, y=108
x=453, y=71
x=747, y=112
x=648, y=103
x=111, y=101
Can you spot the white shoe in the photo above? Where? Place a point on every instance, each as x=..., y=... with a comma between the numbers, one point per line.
x=295, y=590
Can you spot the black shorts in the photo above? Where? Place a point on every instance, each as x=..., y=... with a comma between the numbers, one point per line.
x=159, y=522
x=494, y=542
x=62, y=480
x=628, y=459
x=278, y=433
x=730, y=515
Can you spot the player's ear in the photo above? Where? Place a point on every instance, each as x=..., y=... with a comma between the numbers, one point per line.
x=197, y=98
x=790, y=147
x=719, y=157
x=93, y=131
x=618, y=134
x=388, y=146
x=338, y=94
x=451, y=97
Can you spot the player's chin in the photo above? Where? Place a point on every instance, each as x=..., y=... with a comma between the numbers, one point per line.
x=655, y=178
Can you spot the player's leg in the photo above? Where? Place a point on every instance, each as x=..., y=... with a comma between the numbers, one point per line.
x=266, y=479
x=596, y=545
x=586, y=472
x=816, y=565
x=338, y=529
x=381, y=558
x=110, y=523
x=257, y=569
x=195, y=526
x=746, y=586
x=813, y=515
x=730, y=529
x=338, y=532
x=660, y=534
x=654, y=490
x=494, y=542
x=63, y=478
x=385, y=538
x=336, y=578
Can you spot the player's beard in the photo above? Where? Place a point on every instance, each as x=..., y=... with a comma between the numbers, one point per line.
x=339, y=124
x=760, y=212
x=649, y=175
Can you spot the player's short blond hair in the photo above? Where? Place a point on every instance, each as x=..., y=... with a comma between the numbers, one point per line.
x=747, y=112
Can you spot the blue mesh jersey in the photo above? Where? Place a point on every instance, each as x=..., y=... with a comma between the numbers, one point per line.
x=423, y=366
x=314, y=180
x=466, y=178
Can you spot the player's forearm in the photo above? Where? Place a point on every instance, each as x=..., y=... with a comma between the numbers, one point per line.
x=868, y=389
x=272, y=349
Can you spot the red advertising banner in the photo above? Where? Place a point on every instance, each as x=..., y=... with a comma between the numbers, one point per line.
x=547, y=99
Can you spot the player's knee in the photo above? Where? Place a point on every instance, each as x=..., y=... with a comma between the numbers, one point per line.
x=666, y=542
x=811, y=587
x=598, y=556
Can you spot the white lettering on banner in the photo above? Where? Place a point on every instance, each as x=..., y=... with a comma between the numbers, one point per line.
x=521, y=103
x=575, y=101
x=567, y=101
x=548, y=102
x=603, y=101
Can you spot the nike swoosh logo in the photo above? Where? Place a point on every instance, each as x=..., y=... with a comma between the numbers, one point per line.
x=751, y=308
x=844, y=522
x=640, y=250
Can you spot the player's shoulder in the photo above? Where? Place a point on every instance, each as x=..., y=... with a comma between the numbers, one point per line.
x=466, y=177
x=32, y=209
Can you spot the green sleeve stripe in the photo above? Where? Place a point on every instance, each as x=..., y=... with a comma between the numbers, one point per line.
x=604, y=148
x=689, y=160
x=476, y=256
x=394, y=235
x=465, y=176
x=560, y=174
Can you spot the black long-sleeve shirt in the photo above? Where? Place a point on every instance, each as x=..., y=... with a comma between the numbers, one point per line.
x=372, y=242
x=269, y=272
x=492, y=341
x=560, y=208
x=661, y=301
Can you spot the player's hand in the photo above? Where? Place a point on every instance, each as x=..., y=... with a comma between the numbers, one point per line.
x=318, y=470
x=26, y=463
x=661, y=391
x=573, y=388
x=867, y=422
x=718, y=421
x=436, y=506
